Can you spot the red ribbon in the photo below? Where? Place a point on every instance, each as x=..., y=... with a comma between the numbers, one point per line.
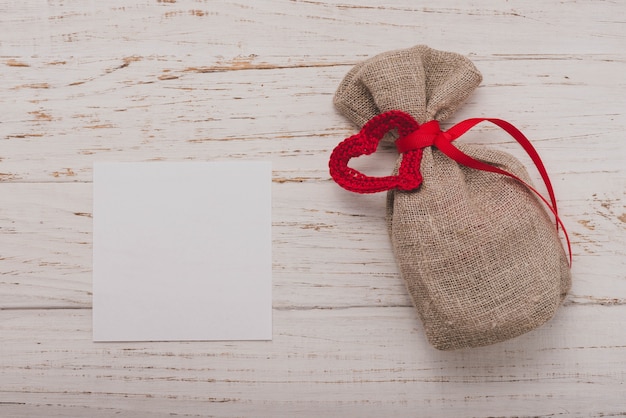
x=413, y=139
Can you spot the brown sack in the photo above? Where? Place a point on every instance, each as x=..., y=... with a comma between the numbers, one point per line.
x=480, y=257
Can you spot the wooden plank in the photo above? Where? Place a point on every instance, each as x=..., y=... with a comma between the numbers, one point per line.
x=47, y=244
x=228, y=34
x=287, y=115
x=369, y=362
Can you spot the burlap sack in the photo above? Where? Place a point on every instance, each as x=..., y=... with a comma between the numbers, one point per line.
x=481, y=258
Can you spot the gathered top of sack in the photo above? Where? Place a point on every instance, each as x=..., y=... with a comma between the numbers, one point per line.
x=473, y=239
x=423, y=82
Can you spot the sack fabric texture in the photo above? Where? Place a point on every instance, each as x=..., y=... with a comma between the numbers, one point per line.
x=480, y=256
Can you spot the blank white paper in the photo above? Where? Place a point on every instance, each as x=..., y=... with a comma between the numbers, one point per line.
x=182, y=251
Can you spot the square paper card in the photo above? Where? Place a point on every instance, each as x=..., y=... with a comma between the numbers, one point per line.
x=182, y=251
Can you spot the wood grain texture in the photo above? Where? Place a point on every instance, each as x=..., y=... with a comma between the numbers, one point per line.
x=183, y=80
x=333, y=362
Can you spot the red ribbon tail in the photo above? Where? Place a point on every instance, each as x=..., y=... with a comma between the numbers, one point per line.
x=445, y=146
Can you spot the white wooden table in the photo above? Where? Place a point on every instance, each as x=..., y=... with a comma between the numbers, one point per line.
x=191, y=80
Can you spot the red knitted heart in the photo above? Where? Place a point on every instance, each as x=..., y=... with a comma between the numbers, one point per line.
x=365, y=143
